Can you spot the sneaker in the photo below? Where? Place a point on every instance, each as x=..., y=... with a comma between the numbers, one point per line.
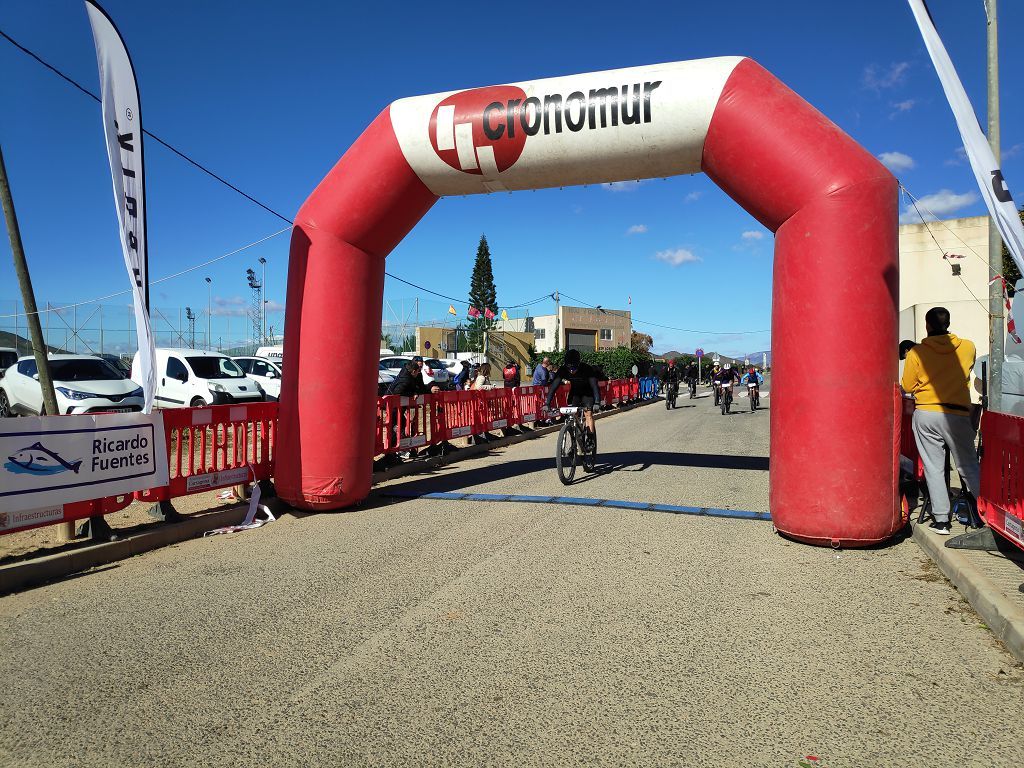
x=943, y=529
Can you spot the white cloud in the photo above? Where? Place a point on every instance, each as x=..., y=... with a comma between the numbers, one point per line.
x=623, y=186
x=936, y=206
x=275, y=306
x=692, y=197
x=960, y=157
x=229, y=306
x=637, y=229
x=1013, y=151
x=896, y=161
x=902, y=106
x=877, y=78
x=677, y=256
x=752, y=234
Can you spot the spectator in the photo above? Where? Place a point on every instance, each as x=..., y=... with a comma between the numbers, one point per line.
x=462, y=377
x=905, y=346
x=481, y=382
x=542, y=373
x=937, y=373
x=511, y=374
x=410, y=383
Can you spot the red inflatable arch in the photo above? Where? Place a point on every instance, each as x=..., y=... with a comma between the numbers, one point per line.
x=831, y=205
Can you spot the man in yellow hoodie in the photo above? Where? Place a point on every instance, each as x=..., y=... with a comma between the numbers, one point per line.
x=937, y=373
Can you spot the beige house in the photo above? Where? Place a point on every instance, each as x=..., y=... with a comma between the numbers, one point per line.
x=582, y=328
x=927, y=280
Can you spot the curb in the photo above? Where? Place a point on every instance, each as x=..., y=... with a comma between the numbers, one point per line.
x=18, y=576
x=24, y=574
x=1005, y=619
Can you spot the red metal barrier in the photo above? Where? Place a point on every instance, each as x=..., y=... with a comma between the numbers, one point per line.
x=226, y=445
x=216, y=447
x=1002, y=475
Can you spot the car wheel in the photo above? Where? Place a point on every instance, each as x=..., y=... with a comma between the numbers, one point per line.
x=198, y=402
x=5, y=406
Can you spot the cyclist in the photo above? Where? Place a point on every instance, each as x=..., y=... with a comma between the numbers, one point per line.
x=717, y=369
x=690, y=377
x=726, y=375
x=671, y=378
x=753, y=380
x=583, y=391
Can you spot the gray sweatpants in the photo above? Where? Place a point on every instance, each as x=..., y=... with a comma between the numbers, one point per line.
x=933, y=430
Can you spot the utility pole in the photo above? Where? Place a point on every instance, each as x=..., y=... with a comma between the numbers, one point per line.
x=263, y=306
x=557, y=319
x=997, y=329
x=209, y=313
x=28, y=298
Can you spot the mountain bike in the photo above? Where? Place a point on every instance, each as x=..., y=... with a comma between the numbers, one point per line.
x=755, y=396
x=716, y=385
x=574, y=445
x=726, y=399
x=671, y=395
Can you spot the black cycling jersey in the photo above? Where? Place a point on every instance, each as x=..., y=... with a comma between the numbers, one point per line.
x=727, y=375
x=671, y=375
x=583, y=383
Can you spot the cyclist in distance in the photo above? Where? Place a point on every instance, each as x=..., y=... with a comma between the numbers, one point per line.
x=583, y=391
x=671, y=380
x=752, y=377
x=727, y=374
x=690, y=377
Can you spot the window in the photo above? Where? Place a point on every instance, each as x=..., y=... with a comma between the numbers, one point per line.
x=245, y=365
x=27, y=368
x=89, y=369
x=7, y=359
x=176, y=369
x=606, y=334
x=259, y=368
x=215, y=367
x=539, y=333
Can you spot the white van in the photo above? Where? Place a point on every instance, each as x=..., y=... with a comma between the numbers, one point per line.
x=190, y=378
x=273, y=354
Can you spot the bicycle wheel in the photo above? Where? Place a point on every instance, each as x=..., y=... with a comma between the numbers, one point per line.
x=590, y=457
x=753, y=401
x=565, y=453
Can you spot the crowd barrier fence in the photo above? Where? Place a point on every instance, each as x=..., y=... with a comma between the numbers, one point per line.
x=1001, y=501
x=227, y=445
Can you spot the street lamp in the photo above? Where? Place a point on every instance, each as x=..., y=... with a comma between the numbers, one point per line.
x=209, y=313
x=263, y=309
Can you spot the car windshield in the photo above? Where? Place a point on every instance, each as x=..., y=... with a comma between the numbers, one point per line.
x=215, y=368
x=434, y=363
x=88, y=369
x=7, y=359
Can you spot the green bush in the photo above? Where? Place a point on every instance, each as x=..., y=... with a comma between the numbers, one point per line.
x=615, y=363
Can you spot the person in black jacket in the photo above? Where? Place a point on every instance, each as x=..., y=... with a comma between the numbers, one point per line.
x=410, y=383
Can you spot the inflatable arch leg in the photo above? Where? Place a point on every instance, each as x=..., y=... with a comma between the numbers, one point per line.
x=831, y=204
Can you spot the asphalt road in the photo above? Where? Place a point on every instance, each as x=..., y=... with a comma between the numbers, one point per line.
x=421, y=632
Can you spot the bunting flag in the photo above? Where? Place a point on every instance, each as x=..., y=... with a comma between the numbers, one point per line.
x=122, y=126
x=504, y=315
x=473, y=312
x=1011, y=325
x=488, y=314
x=451, y=309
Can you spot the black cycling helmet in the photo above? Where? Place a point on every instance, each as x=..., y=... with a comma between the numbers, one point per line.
x=572, y=358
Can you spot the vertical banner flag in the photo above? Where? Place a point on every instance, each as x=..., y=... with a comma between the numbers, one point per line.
x=504, y=315
x=986, y=170
x=488, y=314
x=122, y=126
x=473, y=312
x=451, y=309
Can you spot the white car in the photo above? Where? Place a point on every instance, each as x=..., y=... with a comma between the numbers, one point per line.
x=82, y=383
x=266, y=372
x=192, y=378
x=434, y=370
x=384, y=379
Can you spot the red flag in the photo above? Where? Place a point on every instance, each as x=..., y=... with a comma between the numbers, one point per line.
x=1011, y=325
x=474, y=312
x=488, y=314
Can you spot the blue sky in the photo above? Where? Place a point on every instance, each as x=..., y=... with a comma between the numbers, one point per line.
x=270, y=94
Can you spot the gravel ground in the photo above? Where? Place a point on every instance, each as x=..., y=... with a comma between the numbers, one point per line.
x=421, y=632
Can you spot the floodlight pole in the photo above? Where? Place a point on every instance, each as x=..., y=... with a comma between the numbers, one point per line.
x=996, y=318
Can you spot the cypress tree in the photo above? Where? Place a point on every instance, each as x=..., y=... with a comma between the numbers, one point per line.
x=482, y=294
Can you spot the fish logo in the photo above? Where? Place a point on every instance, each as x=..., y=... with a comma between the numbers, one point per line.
x=39, y=460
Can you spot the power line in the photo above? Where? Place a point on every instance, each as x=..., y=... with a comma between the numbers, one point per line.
x=672, y=327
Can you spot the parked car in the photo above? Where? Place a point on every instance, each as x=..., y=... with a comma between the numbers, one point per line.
x=274, y=354
x=190, y=378
x=384, y=379
x=118, y=362
x=266, y=372
x=82, y=383
x=8, y=357
x=434, y=370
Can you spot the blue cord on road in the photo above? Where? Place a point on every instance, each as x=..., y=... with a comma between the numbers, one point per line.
x=737, y=514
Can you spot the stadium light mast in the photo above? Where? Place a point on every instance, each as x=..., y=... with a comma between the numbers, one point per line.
x=209, y=314
x=263, y=306
x=256, y=306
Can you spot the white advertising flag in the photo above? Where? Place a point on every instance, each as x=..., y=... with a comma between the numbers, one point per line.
x=986, y=170
x=122, y=125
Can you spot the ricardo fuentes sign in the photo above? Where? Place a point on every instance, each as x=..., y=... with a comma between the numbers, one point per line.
x=49, y=461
